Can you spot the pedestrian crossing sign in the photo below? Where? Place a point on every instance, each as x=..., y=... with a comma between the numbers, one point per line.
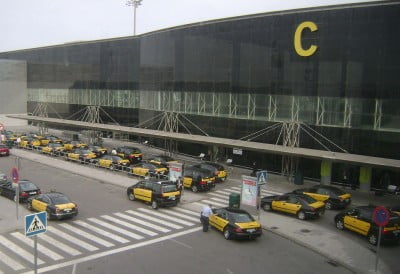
x=35, y=223
x=261, y=177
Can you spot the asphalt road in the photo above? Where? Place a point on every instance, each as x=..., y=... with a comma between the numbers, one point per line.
x=184, y=250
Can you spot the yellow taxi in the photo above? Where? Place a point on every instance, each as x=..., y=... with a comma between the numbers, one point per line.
x=162, y=160
x=134, y=154
x=360, y=220
x=82, y=155
x=54, y=139
x=29, y=142
x=333, y=197
x=145, y=169
x=56, y=204
x=53, y=149
x=71, y=145
x=113, y=162
x=235, y=223
x=301, y=205
x=217, y=169
x=157, y=193
x=198, y=179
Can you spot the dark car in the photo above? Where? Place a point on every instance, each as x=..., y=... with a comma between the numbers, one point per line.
x=26, y=189
x=56, y=204
x=132, y=153
x=98, y=150
x=4, y=150
x=162, y=160
x=145, y=169
x=156, y=192
x=112, y=162
x=197, y=178
x=360, y=220
x=235, y=223
x=301, y=205
x=333, y=197
x=218, y=170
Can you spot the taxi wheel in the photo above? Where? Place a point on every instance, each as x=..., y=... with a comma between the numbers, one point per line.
x=227, y=234
x=339, y=224
x=131, y=196
x=267, y=207
x=328, y=205
x=373, y=239
x=301, y=215
x=154, y=204
x=194, y=188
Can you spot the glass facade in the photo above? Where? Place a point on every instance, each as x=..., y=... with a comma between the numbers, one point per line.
x=246, y=72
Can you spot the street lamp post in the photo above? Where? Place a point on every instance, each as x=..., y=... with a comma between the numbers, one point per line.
x=135, y=4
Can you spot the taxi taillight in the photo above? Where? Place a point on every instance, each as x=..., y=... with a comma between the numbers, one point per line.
x=238, y=229
x=386, y=231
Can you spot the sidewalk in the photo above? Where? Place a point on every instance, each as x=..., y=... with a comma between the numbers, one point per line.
x=339, y=250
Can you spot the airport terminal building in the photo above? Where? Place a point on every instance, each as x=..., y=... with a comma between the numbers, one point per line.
x=329, y=76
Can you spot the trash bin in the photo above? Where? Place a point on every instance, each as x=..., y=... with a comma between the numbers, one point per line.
x=298, y=178
x=234, y=200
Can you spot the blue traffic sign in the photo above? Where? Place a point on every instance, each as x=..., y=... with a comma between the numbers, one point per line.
x=35, y=223
x=381, y=216
x=261, y=177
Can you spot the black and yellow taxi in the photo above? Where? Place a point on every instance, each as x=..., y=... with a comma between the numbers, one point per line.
x=146, y=169
x=71, y=145
x=54, y=139
x=99, y=150
x=44, y=141
x=235, y=223
x=162, y=160
x=134, y=154
x=218, y=170
x=54, y=149
x=333, y=197
x=198, y=179
x=29, y=142
x=56, y=204
x=360, y=220
x=301, y=205
x=112, y=162
x=156, y=192
x=82, y=155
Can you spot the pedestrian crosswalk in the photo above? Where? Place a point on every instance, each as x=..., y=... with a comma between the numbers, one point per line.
x=67, y=240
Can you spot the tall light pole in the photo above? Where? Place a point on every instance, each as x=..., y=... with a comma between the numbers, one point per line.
x=135, y=4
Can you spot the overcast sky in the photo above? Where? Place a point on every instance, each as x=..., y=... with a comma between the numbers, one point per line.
x=36, y=23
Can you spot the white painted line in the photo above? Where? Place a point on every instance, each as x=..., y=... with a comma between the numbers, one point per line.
x=186, y=211
x=102, y=232
x=200, y=205
x=115, y=251
x=71, y=239
x=130, y=225
x=58, y=244
x=86, y=235
x=214, y=203
x=218, y=200
x=223, y=192
x=218, y=195
x=115, y=228
x=19, y=251
x=42, y=249
x=171, y=212
x=232, y=190
x=10, y=262
x=154, y=219
x=167, y=217
x=236, y=187
x=139, y=221
x=268, y=192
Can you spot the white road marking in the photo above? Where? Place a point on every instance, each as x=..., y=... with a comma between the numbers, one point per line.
x=139, y=221
x=171, y=212
x=218, y=200
x=58, y=244
x=214, y=203
x=10, y=262
x=71, y=239
x=154, y=219
x=186, y=211
x=19, y=251
x=180, y=243
x=87, y=235
x=42, y=249
x=115, y=228
x=263, y=191
x=232, y=190
x=218, y=195
x=130, y=225
x=102, y=232
x=115, y=251
x=223, y=192
x=167, y=217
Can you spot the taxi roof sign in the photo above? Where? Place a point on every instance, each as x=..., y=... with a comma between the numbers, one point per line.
x=35, y=223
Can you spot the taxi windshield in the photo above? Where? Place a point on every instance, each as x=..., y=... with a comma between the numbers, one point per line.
x=60, y=200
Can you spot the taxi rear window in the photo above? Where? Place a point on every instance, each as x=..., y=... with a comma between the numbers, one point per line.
x=168, y=188
x=240, y=217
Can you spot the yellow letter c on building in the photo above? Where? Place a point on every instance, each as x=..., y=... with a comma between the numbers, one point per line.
x=297, y=39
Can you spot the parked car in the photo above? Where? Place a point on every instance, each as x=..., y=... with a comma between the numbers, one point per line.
x=98, y=150
x=132, y=153
x=333, y=197
x=198, y=178
x=54, y=149
x=360, y=220
x=26, y=189
x=56, y=204
x=162, y=160
x=112, y=162
x=4, y=150
x=71, y=145
x=82, y=155
x=3, y=177
x=301, y=205
x=156, y=192
x=235, y=223
x=217, y=169
x=145, y=169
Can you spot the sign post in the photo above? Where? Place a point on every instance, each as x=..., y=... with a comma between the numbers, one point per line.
x=261, y=180
x=15, y=180
x=35, y=224
x=381, y=217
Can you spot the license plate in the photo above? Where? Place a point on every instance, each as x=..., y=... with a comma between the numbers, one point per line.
x=251, y=230
x=171, y=197
x=67, y=210
x=33, y=192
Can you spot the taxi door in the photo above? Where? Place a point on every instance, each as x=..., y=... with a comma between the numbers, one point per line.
x=356, y=224
x=38, y=204
x=218, y=221
x=143, y=194
x=187, y=182
x=292, y=205
x=104, y=163
x=280, y=205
